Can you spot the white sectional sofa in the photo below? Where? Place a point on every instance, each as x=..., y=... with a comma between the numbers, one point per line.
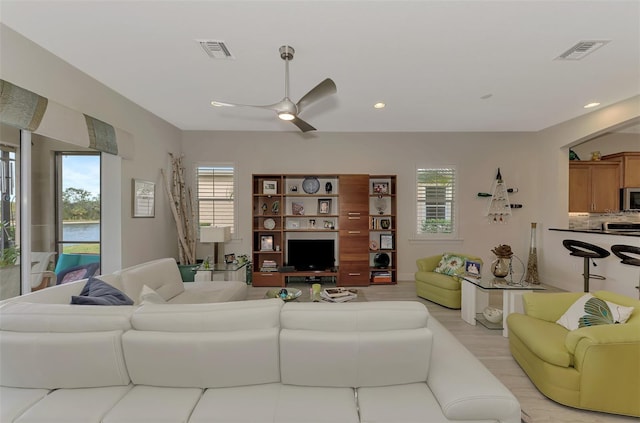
x=162, y=275
x=244, y=361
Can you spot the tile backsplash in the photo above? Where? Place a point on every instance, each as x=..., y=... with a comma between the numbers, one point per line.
x=595, y=220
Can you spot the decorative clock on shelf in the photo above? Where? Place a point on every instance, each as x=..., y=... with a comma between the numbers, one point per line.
x=310, y=185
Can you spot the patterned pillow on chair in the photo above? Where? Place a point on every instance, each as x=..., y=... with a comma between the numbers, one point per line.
x=450, y=264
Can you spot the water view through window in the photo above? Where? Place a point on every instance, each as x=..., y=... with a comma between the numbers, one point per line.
x=79, y=204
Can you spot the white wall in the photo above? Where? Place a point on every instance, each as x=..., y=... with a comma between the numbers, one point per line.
x=477, y=157
x=29, y=66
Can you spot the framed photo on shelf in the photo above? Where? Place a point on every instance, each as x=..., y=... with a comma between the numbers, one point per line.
x=381, y=187
x=324, y=206
x=297, y=208
x=293, y=224
x=230, y=258
x=328, y=224
x=269, y=187
x=266, y=242
x=143, y=203
x=386, y=242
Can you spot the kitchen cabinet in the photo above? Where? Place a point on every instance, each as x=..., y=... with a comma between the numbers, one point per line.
x=630, y=168
x=594, y=186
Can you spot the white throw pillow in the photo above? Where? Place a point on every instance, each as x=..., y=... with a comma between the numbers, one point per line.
x=591, y=311
x=149, y=296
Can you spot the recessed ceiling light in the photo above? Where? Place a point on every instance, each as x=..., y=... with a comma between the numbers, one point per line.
x=590, y=105
x=379, y=105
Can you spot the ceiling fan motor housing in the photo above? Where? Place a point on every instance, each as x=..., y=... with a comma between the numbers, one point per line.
x=286, y=52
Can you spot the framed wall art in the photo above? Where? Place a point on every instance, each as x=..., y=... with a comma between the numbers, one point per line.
x=266, y=242
x=143, y=201
x=324, y=206
x=380, y=187
x=386, y=242
x=269, y=187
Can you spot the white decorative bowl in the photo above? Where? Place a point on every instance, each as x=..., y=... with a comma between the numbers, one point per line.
x=492, y=314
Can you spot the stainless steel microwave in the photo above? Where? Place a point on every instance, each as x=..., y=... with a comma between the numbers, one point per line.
x=630, y=198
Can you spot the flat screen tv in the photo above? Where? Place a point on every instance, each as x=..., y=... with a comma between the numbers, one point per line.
x=311, y=254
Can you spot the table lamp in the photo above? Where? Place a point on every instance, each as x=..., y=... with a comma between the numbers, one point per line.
x=216, y=235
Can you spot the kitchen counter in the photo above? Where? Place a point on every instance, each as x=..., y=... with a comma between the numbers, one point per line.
x=600, y=232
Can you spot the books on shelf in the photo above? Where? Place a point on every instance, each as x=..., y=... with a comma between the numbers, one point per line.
x=338, y=295
x=380, y=223
x=381, y=276
x=269, y=266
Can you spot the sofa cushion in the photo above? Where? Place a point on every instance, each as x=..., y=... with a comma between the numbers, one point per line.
x=440, y=280
x=450, y=264
x=149, y=296
x=62, y=360
x=211, y=292
x=154, y=404
x=545, y=339
x=74, y=405
x=591, y=311
x=360, y=336
x=15, y=401
x=276, y=403
x=163, y=276
x=219, y=345
x=97, y=292
x=42, y=317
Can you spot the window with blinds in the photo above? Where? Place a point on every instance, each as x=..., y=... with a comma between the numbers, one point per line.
x=435, y=201
x=216, y=195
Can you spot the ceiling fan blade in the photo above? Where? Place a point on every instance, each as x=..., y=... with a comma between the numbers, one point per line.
x=275, y=106
x=323, y=89
x=304, y=126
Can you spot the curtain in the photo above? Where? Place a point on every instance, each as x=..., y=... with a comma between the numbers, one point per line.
x=20, y=108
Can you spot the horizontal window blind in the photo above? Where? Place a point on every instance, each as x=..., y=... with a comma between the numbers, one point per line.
x=216, y=195
x=435, y=199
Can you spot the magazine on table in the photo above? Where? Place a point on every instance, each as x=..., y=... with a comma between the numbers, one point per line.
x=338, y=295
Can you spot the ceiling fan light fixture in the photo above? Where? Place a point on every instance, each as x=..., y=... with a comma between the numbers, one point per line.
x=286, y=116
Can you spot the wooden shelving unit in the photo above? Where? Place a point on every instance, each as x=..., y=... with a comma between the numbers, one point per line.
x=345, y=208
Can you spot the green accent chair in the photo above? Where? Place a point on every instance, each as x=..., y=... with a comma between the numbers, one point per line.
x=592, y=368
x=441, y=289
x=71, y=260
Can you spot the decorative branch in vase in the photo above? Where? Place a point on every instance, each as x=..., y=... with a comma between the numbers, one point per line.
x=181, y=204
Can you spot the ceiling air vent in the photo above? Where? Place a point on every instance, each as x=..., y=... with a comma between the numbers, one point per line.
x=216, y=49
x=582, y=49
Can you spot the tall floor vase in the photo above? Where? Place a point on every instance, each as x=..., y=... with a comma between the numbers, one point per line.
x=531, y=275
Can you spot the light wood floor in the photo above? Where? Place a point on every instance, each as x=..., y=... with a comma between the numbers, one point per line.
x=493, y=350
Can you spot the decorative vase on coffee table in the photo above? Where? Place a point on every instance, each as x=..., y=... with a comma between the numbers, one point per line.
x=500, y=267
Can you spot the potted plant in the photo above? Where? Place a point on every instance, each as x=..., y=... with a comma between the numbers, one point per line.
x=181, y=205
x=9, y=254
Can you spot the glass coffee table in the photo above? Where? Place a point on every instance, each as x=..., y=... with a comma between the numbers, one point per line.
x=475, y=297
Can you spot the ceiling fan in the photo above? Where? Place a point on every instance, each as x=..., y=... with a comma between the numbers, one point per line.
x=285, y=108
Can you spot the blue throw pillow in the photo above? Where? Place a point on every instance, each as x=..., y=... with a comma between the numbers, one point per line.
x=97, y=292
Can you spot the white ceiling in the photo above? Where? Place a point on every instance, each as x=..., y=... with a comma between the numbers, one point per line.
x=431, y=62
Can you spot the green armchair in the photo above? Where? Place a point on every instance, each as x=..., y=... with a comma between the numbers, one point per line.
x=592, y=368
x=437, y=287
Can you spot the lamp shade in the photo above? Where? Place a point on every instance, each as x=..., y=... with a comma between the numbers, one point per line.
x=215, y=234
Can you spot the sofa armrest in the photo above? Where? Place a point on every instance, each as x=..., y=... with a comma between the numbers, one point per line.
x=427, y=264
x=608, y=355
x=602, y=334
x=463, y=386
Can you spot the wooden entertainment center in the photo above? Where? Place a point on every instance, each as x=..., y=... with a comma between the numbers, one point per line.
x=357, y=212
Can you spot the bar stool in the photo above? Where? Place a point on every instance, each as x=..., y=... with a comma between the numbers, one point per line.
x=620, y=249
x=586, y=251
